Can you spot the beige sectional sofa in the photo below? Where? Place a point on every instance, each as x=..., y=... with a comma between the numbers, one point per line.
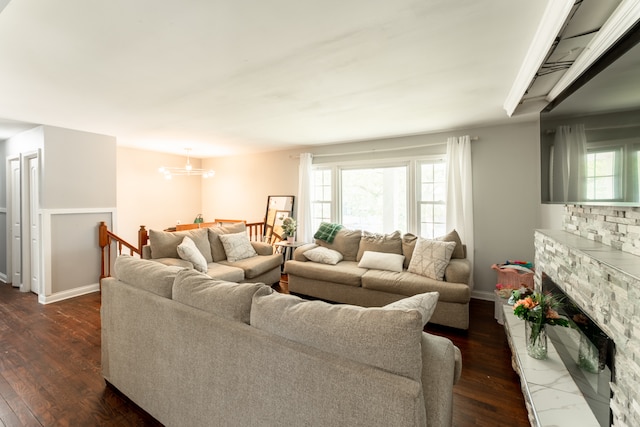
x=380, y=282
x=193, y=351
x=264, y=266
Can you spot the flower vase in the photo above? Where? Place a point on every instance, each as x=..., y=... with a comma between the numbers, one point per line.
x=291, y=239
x=536, y=336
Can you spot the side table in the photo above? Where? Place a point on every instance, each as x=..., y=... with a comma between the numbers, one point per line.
x=287, y=249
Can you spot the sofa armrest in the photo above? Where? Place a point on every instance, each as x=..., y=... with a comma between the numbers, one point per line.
x=441, y=367
x=262, y=248
x=298, y=254
x=146, y=252
x=458, y=271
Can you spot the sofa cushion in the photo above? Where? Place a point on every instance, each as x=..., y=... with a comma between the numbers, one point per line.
x=408, y=245
x=425, y=304
x=323, y=255
x=237, y=246
x=164, y=244
x=216, y=248
x=387, y=339
x=257, y=265
x=229, y=300
x=387, y=243
x=219, y=271
x=381, y=261
x=410, y=284
x=431, y=257
x=174, y=262
x=144, y=274
x=188, y=251
x=346, y=242
x=345, y=272
x=452, y=236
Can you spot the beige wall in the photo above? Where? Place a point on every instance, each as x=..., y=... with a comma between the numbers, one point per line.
x=145, y=197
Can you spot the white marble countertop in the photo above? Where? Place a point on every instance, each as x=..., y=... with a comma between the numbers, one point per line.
x=624, y=262
x=552, y=396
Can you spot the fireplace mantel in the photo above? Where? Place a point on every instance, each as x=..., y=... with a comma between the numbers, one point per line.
x=605, y=282
x=551, y=396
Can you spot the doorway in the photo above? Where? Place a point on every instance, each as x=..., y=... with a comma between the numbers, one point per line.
x=23, y=251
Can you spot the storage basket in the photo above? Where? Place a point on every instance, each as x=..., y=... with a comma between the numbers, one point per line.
x=513, y=278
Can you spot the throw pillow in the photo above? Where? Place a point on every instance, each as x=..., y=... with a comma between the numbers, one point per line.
x=346, y=242
x=431, y=257
x=164, y=244
x=424, y=303
x=188, y=251
x=323, y=255
x=216, y=248
x=389, y=243
x=408, y=245
x=237, y=246
x=381, y=261
x=453, y=236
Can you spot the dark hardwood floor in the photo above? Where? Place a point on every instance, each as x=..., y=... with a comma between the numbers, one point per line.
x=50, y=368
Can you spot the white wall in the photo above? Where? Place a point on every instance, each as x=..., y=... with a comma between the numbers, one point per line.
x=145, y=197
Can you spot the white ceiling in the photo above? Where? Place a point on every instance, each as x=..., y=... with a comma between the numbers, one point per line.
x=234, y=76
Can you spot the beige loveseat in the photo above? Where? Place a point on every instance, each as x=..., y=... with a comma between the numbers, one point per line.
x=193, y=351
x=264, y=266
x=373, y=284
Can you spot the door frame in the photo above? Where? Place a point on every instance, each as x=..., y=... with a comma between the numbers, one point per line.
x=11, y=199
x=29, y=186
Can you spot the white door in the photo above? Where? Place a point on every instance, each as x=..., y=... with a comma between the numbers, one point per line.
x=15, y=248
x=34, y=224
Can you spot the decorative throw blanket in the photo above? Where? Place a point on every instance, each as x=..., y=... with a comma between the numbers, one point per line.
x=327, y=231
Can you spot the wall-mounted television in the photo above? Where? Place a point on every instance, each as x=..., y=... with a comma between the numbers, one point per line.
x=590, y=135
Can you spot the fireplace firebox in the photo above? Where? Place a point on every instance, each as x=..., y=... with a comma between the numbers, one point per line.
x=587, y=352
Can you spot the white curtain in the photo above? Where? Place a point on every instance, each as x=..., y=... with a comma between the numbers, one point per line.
x=305, y=231
x=569, y=162
x=460, y=191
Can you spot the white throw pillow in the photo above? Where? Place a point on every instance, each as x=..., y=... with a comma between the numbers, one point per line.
x=323, y=255
x=381, y=261
x=188, y=251
x=424, y=303
x=431, y=257
x=237, y=246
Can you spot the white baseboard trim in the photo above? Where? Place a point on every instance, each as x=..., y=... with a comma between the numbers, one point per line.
x=3, y=278
x=483, y=295
x=71, y=293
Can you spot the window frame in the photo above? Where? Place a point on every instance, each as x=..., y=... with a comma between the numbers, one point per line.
x=413, y=189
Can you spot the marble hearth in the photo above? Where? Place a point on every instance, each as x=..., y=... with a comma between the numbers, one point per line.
x=604, y=279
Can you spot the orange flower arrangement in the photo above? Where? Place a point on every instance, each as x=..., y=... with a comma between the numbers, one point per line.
x=539, y=309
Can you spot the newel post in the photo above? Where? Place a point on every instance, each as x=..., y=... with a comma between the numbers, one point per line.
x=143, y=239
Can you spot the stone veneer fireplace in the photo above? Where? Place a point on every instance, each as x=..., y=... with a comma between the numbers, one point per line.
x=596, y=260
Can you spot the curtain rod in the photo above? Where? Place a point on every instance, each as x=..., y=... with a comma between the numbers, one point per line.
x=381, y=150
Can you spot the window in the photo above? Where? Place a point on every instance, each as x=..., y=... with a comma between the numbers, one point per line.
x=321, y=196
x=376, y=197
x=603, y=175
x=432, y=192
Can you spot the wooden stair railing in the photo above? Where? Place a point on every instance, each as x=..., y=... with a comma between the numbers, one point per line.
x=106, y=238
